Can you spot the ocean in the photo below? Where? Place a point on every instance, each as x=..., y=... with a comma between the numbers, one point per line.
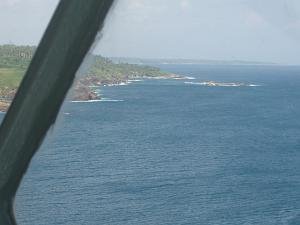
x=174, y=152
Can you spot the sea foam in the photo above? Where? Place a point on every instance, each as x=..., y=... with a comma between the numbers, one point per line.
x=220, y=84
x=99, y=100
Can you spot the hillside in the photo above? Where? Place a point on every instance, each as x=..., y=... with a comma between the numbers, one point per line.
x=14, y=61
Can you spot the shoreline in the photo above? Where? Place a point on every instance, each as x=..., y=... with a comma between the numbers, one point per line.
x=84, y=89
x=4, y=106
x=101, y=72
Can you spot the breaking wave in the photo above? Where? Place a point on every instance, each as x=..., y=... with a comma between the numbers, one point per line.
x=220, y=84
x=99, y=100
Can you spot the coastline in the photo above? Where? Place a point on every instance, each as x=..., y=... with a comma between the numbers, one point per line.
x=4, y=106
x=101, y=72
x=84, y=90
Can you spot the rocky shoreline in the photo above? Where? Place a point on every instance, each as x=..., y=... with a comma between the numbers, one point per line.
x=4, y=106
x=84, y=88
x=101, y=72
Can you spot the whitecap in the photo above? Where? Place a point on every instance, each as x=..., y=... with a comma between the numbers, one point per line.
x=134, y=80
x=190, y=78
x=86, y=101
x=219, y=84
x=254, y=85
x=98, y=100
x=195, y=83
x=117, y=84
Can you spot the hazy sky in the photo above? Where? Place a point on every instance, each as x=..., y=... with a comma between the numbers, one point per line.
x=260, y=30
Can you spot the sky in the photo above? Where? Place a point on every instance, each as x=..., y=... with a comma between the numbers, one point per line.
x=254, y=30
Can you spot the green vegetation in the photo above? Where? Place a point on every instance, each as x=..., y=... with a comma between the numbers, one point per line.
x=10, y=77
x=107, y=70
x=12, y=56
x=14, y=61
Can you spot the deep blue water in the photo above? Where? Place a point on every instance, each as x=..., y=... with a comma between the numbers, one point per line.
x=174, y=153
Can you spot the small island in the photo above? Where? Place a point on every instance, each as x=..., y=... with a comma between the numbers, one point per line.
x=101, y=71
x=222, y=84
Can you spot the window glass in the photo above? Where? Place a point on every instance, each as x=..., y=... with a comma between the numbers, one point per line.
x=185, y=111
x=22, y=24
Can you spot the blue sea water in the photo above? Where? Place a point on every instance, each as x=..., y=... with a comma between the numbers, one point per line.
x=174, y=153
